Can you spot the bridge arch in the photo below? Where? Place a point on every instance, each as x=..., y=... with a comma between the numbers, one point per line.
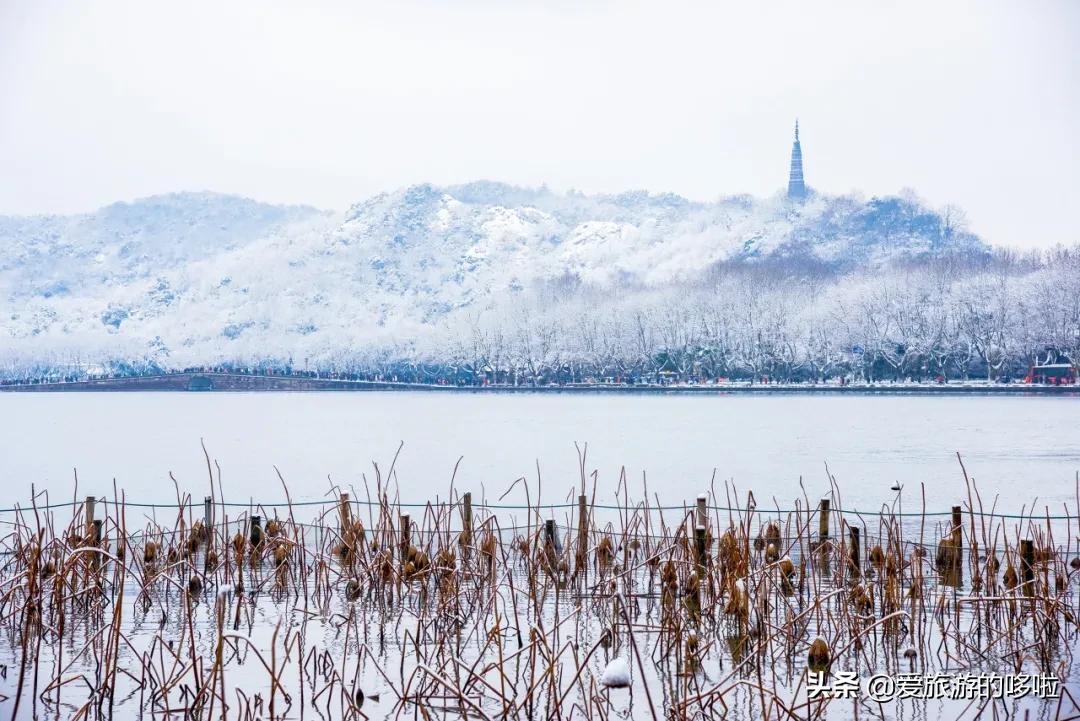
x=200, y=383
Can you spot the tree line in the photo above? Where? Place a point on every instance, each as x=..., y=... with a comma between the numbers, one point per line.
x=952, y=317
x=987, y=316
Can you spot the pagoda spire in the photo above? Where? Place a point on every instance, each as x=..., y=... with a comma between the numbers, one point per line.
x=796, y=189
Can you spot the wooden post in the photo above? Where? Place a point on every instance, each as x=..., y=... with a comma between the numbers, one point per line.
x=406, y=532
x=89, y=505
x=466, y=518
x=822, y=544
x=699, y=538
x=702, y=510
x=551, y=532
x=582, y=531
x=856, y=553
x=344, y=512
x=958, y=530
x=208, y=520
x=552, y=545
x=1027, y=566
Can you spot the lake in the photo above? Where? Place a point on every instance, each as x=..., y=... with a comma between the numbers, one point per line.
x=341, y=618
x=1021, y=449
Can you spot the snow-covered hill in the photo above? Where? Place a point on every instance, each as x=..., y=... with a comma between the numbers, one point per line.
x=199, y=277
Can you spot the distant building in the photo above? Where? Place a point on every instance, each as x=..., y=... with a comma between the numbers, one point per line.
x=1056, y=374
x=796, y=187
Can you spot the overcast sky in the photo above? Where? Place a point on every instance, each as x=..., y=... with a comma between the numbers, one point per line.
x=325, y=103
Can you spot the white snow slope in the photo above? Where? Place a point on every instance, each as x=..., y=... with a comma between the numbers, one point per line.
x=196, y=278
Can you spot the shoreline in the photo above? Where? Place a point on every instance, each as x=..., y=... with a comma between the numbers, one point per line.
x=252, y=383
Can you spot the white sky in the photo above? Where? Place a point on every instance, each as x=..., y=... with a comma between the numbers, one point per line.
x=972, y=103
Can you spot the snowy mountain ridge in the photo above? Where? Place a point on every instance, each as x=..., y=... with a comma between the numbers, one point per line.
x=201, y=277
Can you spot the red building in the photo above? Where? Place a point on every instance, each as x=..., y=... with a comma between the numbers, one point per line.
x=1056, y=374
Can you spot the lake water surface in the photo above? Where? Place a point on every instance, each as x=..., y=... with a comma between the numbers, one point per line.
x=1021, y=449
